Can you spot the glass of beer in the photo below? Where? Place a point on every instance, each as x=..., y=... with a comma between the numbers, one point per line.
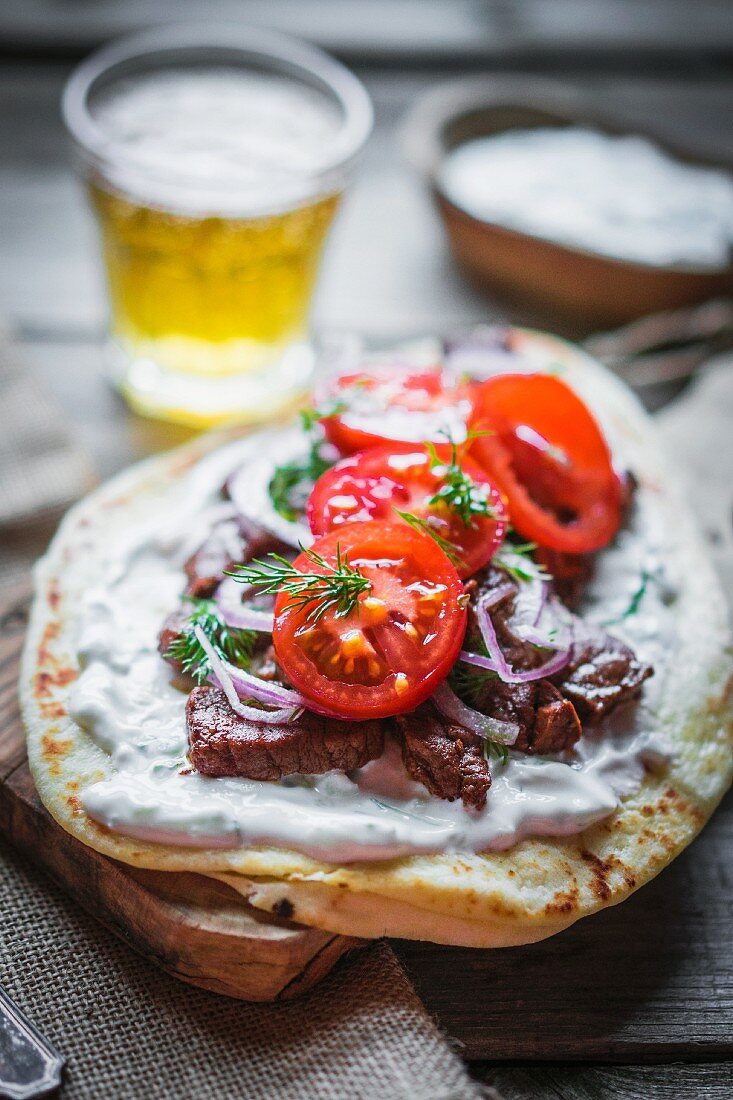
x=215, y=160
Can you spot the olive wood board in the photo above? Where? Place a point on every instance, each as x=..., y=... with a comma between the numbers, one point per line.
x=195, y=928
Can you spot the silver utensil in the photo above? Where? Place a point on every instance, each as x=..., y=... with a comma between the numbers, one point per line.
x=29, y=1065
x=666, y=348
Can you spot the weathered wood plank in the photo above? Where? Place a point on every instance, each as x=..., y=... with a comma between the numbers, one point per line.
x=404, y=28
x=650, y=979
x=713, y=1081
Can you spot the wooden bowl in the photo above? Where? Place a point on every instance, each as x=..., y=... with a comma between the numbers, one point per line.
x=579, y=289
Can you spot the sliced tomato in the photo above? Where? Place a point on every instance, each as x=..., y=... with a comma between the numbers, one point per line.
x=377, y=483
x=547, y=454
x=387, y=403
x=396, y=644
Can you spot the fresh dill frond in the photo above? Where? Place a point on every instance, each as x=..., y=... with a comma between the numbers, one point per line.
x=292, y=482
x=468, y=681
x=459, y=492
x=634, y=602
x=494, y=750
x=337, y=589
x=449, y=548
x=311, y=417
x=235, y=646
x=505, y=555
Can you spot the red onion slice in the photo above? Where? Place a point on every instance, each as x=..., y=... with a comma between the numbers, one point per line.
x=221, y=675
x=249, y=489
x=264, y=691
x=496, y=595
x=477, y=659
x=234, y=680
x=498, y=660
x=483, y=725
x=228, y=598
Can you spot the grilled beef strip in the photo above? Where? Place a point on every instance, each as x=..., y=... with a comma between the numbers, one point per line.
x=445, y=758
x=231, y=541
x=571, y=573
x=223, y=744
x=547, y=722
x=602, y=674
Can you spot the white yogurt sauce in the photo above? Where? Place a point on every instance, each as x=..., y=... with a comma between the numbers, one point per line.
x=125, y=698
x=618, y=196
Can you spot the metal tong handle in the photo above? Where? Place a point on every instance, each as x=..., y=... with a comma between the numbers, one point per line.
x=666, y=347
x=29, y=1066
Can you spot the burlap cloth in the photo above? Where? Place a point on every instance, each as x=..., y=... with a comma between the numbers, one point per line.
x=129, y=1031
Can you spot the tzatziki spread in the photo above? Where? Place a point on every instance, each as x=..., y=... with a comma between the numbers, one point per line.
x=126, y=699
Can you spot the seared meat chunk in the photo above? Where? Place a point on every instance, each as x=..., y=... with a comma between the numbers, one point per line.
x=520, y=654
x=231, y=541
x=265, y=665
x=445, y=758
x=570, y=573
x=602, y=673
x=170, y=630
x=223, y=744
x=547, y=722
x=557, y=726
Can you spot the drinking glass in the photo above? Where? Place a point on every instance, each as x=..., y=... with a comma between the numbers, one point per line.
x=214, y=160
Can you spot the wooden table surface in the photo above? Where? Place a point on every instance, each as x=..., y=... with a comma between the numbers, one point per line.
x=635, y=1002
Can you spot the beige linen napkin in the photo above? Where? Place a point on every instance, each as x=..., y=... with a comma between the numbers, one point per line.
x=698, y=435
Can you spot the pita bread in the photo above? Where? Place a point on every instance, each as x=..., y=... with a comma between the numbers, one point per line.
x=494, y=899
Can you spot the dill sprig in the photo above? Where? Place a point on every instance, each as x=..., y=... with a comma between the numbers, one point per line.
x=311, y=417
x=292, y=482
x=337, y=589
x=494, y=750
x=517, y=569
x=235, y=646
x=634, y=602
x=417, y=523
x=464, y=497
x=469, y=681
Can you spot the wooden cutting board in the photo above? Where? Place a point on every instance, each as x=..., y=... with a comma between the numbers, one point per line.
x=193, y=927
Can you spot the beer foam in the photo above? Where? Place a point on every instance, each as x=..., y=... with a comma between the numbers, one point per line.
x=217, y=141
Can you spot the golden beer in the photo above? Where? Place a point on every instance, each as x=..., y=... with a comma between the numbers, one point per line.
x=214, y=192
x=209, y=296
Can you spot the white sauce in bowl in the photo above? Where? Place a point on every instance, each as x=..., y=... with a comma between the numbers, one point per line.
x=620, y=197
x=125, y=698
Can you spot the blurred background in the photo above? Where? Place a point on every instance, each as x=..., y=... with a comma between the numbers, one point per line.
x=662, y=67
